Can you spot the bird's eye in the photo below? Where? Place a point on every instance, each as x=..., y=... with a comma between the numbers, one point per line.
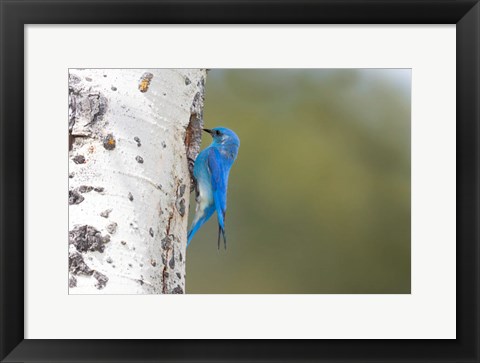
x=217, y=133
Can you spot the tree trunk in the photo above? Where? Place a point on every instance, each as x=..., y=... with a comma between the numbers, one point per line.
x=133, y=134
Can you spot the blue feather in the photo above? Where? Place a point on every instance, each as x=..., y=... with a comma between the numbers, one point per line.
x=211, y=171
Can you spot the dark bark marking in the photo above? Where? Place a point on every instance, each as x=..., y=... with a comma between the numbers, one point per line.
x=79, y=159
x=101, y=280
x=87, y=238
x=85, y=189
x=98, y=107
x=180, y=204
x=145, y=82
x=168, y=247
x=170, y=217
x=77, y=265
x=74, y=197
x=109, y=142
x=177, y=290
x=83, y=105
x=166, y=242
x=183, y=187
x=106, y=213
x=73, y=79
x=112, y=227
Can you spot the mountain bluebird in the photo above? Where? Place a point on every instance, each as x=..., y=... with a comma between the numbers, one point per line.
x=211, y=170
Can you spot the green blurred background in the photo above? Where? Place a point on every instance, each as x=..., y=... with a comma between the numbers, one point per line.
x=319, y=197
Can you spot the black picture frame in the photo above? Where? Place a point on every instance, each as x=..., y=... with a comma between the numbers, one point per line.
x=15, y=14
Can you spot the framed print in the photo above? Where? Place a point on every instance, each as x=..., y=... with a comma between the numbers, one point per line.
x=342, y=136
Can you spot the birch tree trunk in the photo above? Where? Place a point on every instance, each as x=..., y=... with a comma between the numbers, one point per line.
x=132, y=134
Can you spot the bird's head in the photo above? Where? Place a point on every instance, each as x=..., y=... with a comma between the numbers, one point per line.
x=223, y=136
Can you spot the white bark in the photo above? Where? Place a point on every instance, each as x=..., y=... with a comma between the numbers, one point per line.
x=129, y=180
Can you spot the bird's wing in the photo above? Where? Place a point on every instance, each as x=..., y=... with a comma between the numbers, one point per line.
x=218, y=176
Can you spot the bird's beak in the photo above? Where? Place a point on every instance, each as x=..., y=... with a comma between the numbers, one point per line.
x=208, y=130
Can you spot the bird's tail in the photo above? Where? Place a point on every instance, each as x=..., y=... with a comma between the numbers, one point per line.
x=192, y=232
x=221, y=228
x=197, y=223
x=221, y=232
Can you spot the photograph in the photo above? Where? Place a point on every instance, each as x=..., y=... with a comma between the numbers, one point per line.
x=247, y=181
x=239, y=181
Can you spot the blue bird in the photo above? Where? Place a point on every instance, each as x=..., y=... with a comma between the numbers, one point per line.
x=211, y=170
